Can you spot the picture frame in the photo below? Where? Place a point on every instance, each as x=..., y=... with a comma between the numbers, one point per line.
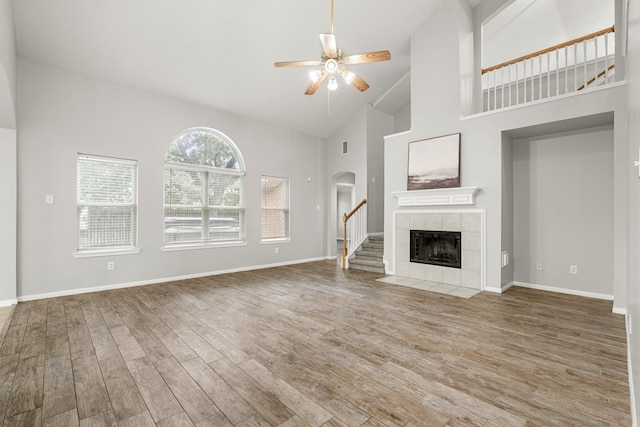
x=434, y=163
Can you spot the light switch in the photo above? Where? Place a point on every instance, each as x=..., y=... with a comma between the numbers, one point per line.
x=48, y=199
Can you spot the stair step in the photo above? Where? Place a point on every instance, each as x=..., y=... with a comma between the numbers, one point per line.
x=373, y=245
x=367, y=265
x=370, y=269
x=377, y=259
x=369, y=256
x=369, y=253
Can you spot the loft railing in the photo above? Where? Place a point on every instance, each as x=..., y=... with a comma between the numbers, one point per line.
x=564, y=68
x=355, y=231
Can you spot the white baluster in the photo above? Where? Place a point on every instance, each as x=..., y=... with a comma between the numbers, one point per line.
x=566, y=70
x=584, y=63
x=557, y=51
x=606, y=58
x=595, y=62
x=548, y=74
x=517, y=85
x=575, y=67
x=510, y=84
x=502, y=87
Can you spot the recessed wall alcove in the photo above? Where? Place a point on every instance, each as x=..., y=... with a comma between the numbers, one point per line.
x=558, y=206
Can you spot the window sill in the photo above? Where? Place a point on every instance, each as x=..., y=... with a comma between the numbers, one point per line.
x=279, y=240
x=105, y=252
x=208, y=245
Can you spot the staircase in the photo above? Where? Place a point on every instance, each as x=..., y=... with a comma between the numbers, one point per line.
x=369, y=256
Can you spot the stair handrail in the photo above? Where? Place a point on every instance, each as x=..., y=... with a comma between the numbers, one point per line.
x=550, y=72
x=358, y=235
x=550, y=49
x=600, y=74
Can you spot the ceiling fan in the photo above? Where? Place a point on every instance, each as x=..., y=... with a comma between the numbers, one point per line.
x=333, y=62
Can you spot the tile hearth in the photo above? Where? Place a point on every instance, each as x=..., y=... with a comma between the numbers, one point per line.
x=425, y=285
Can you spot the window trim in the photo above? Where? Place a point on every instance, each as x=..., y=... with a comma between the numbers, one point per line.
x=134, y=248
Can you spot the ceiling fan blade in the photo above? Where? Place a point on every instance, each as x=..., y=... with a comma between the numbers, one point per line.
x=329, y=45
x=381, y=55
x=313, y=87
x=296, y=63
x=359, y=84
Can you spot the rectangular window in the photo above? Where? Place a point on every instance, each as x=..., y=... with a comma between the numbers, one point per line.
x=275, y=208
x=107, y=204
x=203, y=205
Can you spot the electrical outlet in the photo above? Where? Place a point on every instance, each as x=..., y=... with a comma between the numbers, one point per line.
x=276, y=250
x=111, y=265
x=573, y=269
x=539, y=266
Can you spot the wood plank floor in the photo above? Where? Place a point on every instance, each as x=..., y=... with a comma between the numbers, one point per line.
x=311, y=345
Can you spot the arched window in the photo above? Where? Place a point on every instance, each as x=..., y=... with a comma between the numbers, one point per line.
x=204, y=189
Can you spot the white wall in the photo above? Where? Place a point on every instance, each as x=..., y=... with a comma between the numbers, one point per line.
x=436, y=110
x=63, y=113
x=563, y=210
x=633, y=127
x=8, y=171
x=402, y=120
x=8, y=216
x=379, y=125
x=354, y=132
x=528, y=26
x=507, y=209
x=7, y=66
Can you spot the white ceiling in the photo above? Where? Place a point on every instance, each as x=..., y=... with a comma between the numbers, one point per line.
x=220, y=53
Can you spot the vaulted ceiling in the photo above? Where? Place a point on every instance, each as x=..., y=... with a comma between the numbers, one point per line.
x=220, y=53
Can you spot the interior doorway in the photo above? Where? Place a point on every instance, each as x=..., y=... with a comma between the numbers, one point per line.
x=345, y=202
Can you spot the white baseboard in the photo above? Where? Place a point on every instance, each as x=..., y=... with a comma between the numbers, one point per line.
x=379, y=233
x=24, y=298
x=8, y=302
x=499, y=290
x=564, y=291
x=619, y=310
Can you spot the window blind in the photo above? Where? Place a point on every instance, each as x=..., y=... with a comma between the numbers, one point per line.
x=106, y=203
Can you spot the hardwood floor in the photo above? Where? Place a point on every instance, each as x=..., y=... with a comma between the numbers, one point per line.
x=311, y=345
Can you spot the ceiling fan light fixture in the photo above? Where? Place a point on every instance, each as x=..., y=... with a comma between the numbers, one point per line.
x=333, y=83
x=348, y=76
x=315, y=75
x=331, y=65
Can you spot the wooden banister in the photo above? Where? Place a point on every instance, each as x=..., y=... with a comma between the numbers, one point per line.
x=345, y=219
x=354, y=210
x=600, y=74
x=550, y=49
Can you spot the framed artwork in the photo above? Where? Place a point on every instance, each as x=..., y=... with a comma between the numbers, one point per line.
x=434, y=163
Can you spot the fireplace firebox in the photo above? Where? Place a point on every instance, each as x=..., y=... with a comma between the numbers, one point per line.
x=436, y=248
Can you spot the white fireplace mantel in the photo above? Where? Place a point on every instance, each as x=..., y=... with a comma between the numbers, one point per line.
x=437, y=197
